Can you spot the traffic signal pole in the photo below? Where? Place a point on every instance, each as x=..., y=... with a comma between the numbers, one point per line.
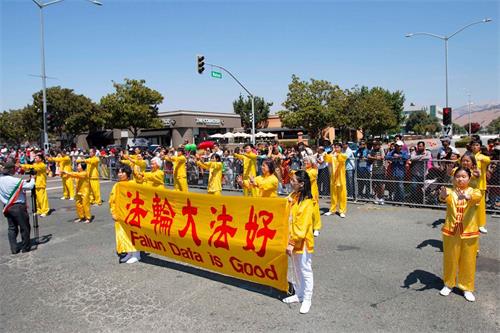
x=201, y=68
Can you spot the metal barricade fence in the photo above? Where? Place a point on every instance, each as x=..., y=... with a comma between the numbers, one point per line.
x=415, y=185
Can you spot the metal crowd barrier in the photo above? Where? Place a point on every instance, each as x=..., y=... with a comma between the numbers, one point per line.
x=417, y=188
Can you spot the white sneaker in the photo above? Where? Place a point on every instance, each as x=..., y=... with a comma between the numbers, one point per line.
x=132, y=260
x=342, y=215
x=304, y=308
x=316, y=233
x=63, y=198
x=71, y=199
x=43, y=215
x=483, y=230
x=382, y=201
x=445, y=291
x=376, y=201
x=291, y=299
x=328, y=213
x=469, y=296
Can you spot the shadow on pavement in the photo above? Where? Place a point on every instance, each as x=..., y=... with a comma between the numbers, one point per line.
x=247, y=285
x=429, y=280
x=436, y=223
x=34, y=242
x=431, y=242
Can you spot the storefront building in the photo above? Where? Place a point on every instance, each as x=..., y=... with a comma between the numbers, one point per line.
x=191, y=126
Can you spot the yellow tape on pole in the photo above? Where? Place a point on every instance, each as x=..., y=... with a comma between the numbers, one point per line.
x=238, y=236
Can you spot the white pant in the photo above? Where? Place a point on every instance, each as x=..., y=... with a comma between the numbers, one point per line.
x=303, y=275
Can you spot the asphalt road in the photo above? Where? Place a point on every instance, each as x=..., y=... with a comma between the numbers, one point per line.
x=378, y=270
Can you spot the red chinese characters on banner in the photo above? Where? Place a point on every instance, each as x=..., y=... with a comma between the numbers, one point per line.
x=222, y=230
x=163, y=215
x=136, y=213
x=253, y=230
x=190, y=211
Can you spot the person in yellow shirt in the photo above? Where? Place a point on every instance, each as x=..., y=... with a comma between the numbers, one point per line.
x=483, y=162
x=215, y=173
x=249, y=159
x=64, y=162
x=460, y=234
x=180, y=175
x=42, y=199
x=312, y=170
x=155, y=177
x=301, y=240
x=82, y=201
x=137, y=164
x=123, y=242
x=265, y=186
x=93, y=171
x=338, y=188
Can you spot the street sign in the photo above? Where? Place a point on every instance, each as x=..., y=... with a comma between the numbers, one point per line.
x=217, y=75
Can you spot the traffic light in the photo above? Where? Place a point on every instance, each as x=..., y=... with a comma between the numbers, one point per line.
x=447, y=116
x=201, y=63
x=50, y=122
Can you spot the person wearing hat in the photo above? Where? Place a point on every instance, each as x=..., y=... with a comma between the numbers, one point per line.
x=14, y=200
x=398, y=159
x=42, y=199
x=64, y=162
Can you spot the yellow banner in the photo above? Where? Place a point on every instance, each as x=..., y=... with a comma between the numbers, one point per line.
x=238, y=236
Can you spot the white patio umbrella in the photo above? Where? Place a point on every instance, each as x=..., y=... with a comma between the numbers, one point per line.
x=271, y=135
x=228, y=135
x=260, y=135
x=217, y=136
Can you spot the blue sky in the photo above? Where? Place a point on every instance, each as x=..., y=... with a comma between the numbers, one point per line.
x=262, y=42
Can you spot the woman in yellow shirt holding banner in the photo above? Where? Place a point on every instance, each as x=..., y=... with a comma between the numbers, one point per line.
x=42, y=199
x=301, y=240
x=265, y=186
x=215, y=173
x=460, y=234
x=312, y=170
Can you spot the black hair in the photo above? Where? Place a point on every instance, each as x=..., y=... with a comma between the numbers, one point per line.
x=248, y=145
x=467, y=170
x=303, y=177
x=125, y=169
x=180, y=149
x=84, y=165
x=270, y=165
x=421, y=142
x=217, y=157
x=471, y=156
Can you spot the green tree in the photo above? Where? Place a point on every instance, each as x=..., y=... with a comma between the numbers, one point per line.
x=421, y=123
x=19, y=126
x=243, y=107
x=458, y=129
x=494, y=126
x=133, y=106
x=313, y=106
x=72, y=114
x=374, y=111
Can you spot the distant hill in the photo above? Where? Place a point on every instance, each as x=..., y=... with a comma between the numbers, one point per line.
x=480, y=113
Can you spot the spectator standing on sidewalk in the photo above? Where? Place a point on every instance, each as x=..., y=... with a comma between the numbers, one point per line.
x=418, y=168
x=363, y=170
x=398, y=159
x=376, y=157
x=349, y=170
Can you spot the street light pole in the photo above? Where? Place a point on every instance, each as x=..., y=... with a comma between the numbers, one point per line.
x=42, y=5
x=445, y=39
x=249, y=94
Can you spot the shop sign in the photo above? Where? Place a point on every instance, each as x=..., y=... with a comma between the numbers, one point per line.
x=209, y=121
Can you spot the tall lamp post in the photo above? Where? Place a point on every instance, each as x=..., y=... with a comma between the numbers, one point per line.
x=42, y=5
x=445, y=39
